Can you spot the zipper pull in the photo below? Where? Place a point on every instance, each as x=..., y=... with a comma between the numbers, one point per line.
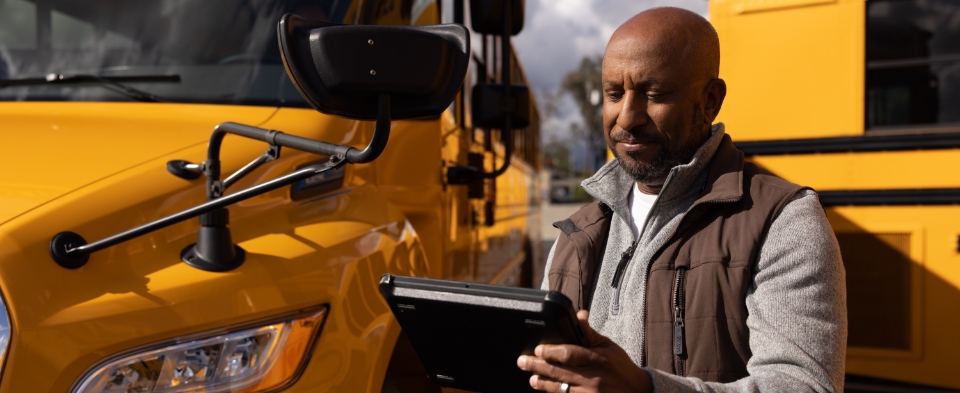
x=678, y=332
x=622, y=265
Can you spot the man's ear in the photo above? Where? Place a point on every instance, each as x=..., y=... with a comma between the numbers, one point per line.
x=713, y=95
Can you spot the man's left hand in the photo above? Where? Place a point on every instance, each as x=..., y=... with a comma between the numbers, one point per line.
x=598, y=366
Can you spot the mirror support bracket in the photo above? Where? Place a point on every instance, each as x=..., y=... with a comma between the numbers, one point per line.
x=214, y=250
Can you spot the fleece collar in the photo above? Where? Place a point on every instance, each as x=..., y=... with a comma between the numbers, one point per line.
x=723, y=162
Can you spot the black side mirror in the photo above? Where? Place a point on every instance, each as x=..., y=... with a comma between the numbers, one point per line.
x=490, y=106
x=343, y=69
x=502, y=106
x=360, y=72
x=486, y=16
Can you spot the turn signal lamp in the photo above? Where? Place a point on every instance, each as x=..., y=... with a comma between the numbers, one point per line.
x=259, y=359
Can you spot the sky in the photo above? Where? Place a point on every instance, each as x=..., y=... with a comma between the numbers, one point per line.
x=557, y=34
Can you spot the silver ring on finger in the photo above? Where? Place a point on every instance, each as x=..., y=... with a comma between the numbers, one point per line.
x=564, y=387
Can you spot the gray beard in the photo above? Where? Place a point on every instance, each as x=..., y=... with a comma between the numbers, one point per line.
x=656, y=172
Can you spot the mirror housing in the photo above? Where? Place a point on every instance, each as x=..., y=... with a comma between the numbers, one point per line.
x=488, y=104
x=486, y=16
x=343, y=69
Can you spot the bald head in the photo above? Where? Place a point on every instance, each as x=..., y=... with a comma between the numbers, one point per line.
x=661, y=91
x=672, y=35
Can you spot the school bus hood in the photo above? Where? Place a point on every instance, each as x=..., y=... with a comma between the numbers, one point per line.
x=52, y=149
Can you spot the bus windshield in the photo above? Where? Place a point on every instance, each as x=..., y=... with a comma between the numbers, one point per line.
x=214, y=51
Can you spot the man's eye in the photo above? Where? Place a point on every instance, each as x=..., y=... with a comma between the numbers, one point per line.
x=656, y=96
x=614, y=96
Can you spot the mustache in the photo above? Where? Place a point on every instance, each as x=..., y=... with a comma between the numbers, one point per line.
x=637, y=136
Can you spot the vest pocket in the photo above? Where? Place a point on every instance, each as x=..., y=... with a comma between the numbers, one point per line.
x=679, y=345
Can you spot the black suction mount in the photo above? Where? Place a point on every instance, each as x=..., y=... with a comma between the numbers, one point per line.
x=214, y=250
x=62, y=250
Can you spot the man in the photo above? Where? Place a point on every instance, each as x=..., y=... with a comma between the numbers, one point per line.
x=700, y=271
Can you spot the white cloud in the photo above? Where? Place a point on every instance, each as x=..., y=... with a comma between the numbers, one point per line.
x=558, y=33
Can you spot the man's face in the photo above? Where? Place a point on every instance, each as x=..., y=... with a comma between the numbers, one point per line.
x=652, y=110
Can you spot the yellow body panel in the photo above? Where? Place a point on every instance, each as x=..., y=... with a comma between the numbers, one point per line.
x=931, y=360
x=98, y=168
x=85, y=142
x=873, y=170
x=795, y=69
x=394, y=215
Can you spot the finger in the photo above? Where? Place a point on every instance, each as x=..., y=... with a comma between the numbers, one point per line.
x=566, y=355
x=548, y=377
x=549, y=385
x=546, y=370
x=590, y=336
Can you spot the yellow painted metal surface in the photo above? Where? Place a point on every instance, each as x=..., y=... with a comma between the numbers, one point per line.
x=935, y=298
x=139, y=292
x=69, y=146
x=390, y=216
x=935, y=290
x=794, y=69
x=866, y=171
x=98, y=168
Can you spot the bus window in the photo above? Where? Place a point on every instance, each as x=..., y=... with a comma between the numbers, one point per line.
x=398, y=12
x=913, y=64
x=224, y=51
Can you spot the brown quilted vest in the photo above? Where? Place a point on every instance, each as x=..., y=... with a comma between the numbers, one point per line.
x=697, y=283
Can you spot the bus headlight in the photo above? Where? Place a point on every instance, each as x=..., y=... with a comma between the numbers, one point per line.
x=251, y=360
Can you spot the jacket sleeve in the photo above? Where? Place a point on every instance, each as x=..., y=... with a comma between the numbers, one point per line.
x=797, y=310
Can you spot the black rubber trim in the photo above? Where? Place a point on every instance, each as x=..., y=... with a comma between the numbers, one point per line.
x=867, y=143
x=924, y=196
x=858, y=384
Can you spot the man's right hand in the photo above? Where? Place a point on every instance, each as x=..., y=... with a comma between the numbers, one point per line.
x=599, y=366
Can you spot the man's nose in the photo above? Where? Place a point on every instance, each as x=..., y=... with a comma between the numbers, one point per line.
x=633, y=111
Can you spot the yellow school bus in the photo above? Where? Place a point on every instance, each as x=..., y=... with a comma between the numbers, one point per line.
x=106, y=115
x=861, y=101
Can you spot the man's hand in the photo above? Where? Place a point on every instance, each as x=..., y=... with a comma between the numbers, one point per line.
x=599, y=366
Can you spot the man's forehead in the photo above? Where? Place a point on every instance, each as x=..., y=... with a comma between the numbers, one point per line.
x=640, y=58
x=646, y=40
x=671, y=42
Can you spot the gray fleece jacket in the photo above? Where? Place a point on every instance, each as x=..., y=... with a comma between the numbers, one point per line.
x=796, y=301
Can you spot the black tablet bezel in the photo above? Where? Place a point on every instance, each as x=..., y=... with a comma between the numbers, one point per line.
x=554, y=323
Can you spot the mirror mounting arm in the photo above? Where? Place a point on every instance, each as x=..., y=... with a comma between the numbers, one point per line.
x=272, y=153
x=381, y=134
x=70, y=250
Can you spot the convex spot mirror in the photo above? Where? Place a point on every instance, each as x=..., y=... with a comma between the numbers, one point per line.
x=489, y=108
x=343, y=69
x=486, y=16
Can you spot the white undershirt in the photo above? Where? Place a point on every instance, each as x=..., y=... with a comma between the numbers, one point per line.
x=640, y=205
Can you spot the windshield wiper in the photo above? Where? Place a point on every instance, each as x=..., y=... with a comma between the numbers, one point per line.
x=116, y=82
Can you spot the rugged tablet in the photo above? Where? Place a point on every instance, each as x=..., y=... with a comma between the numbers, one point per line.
x=469, y=336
